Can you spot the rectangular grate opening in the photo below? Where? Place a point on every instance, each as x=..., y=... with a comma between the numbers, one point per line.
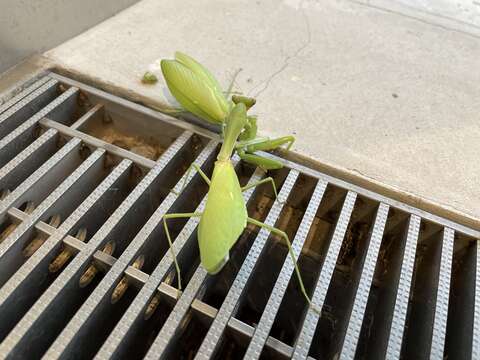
x=86, y=271
x=459, y=340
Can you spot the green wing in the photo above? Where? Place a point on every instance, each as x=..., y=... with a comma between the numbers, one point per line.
x=191, y=92
x=224, y=217
x=205, y=75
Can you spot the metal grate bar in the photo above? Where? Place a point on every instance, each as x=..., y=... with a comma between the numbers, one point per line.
x=55, y=152
x=211, y=341
x=14, y=258
x=17, y=140
x=87, y=116
x=51, y=295
x=11, y=247
x=171, y=326
x=12, y=101
x=264, y=326
x=18, y=195
x=443, y=292
x=32, y=152
x=403, y=293
x=363, y=290
x=134, y=312
x=27, y=107
x=31, y=271
x=97, y=299
x=90, y=140
x=476, y=315
x=304, y=340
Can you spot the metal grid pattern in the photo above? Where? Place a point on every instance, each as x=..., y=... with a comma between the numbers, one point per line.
x=354, y=245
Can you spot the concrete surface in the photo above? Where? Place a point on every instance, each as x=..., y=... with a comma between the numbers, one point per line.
x=381, y=93
x=28, y=27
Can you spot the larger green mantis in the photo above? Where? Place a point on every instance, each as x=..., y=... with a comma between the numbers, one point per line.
x=198, y=92
x=225, y=214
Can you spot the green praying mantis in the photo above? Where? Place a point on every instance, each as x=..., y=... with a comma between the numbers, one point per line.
x=225, y=216
x=198, y=92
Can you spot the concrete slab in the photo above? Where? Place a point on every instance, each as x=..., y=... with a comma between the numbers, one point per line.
x=384, y=97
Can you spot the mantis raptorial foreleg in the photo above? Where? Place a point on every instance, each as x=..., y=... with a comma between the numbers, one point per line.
x=199, y=170
x=271, y=144
x=246, y=149
x=170, y=244
x=263, y=181
x=283, y=235
x=263, y=163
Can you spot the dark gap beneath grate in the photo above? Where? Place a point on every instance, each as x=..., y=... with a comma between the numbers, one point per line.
x=71, y=109
x=292, y=309
x=379, y=311
x=22, y=171
x=333, y=321
x=147, y=331
x=458, y=342
x=423, y=292
x=41, y=278
x=270, y=262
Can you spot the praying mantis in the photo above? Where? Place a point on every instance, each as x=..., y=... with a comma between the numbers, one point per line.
x=225, y=216
x=198, y=92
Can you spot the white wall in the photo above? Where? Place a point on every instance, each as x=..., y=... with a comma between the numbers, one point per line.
x=33, y=26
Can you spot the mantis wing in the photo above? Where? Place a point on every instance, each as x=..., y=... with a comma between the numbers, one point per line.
x=200, y=100
x=205, y=75
x=224, y=217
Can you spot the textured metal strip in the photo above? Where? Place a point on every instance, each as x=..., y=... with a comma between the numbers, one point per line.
x=264, y=326
x=363, y=290
x=304, y=340
x=403, y=293
x=476, y=315
x=87, y=116
x=443, y=294
x=13, y=110
x=71, y=146
x=69, y=272
x=48, y=202
x=27, y=152
x=83, y=315
x=211, y=341
x=35, y=118
x=93, y=141
x=23, y=93
x=178, y=313
x=31, y=265
x=135, y=309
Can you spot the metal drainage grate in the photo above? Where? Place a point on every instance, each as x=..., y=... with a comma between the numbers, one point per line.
x=85, y=178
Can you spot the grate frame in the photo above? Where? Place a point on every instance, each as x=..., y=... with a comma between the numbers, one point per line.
x=46, y=112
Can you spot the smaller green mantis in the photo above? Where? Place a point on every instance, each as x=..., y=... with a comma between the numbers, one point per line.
x=198, y=92
x=225, y=214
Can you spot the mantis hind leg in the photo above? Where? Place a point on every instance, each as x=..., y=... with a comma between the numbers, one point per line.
x=263, y=181
x=170, y=244
x=199, y=170
x=283, y=235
